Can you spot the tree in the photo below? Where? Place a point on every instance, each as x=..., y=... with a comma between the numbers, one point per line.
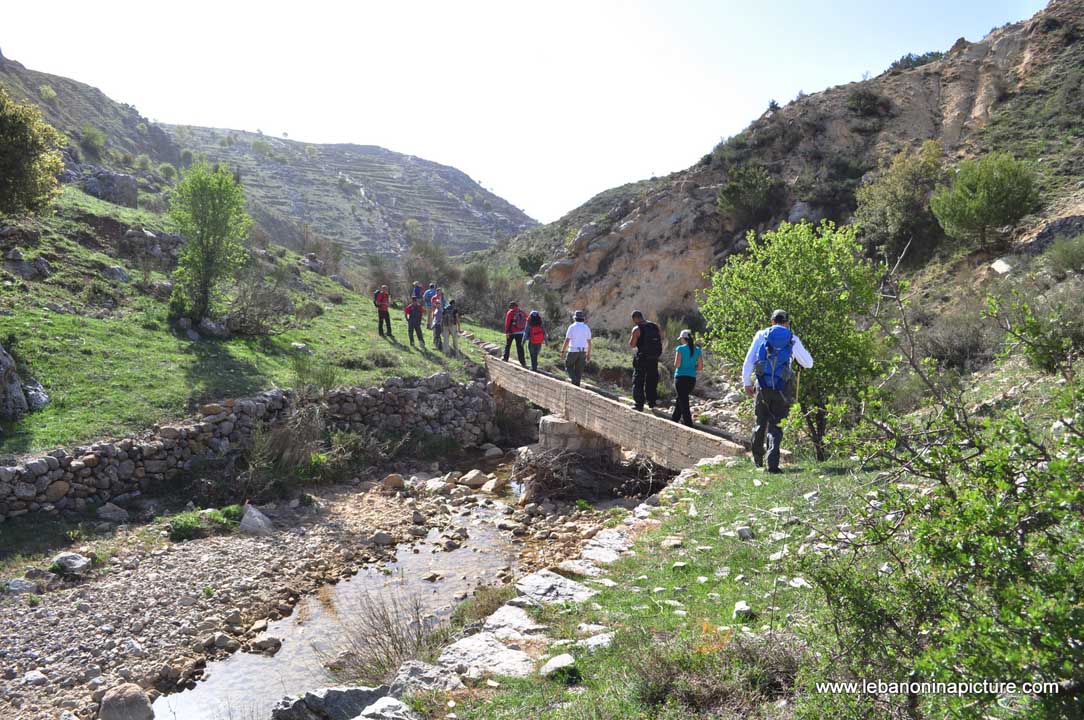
x=29, y=157
x=208, y=208
x=167, y=171
x=92, y=140
x=531, y=262
x=817, y=275
x=379, y=272
x=991, y=191
x=894, y=209
x=751, y=194
x=186, y=158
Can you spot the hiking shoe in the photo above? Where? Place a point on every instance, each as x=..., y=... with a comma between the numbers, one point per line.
x=758, y=460
x=638, y=408
x=775, y=471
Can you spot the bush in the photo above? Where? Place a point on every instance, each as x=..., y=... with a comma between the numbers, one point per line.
x=1066, y=254
x=751, y=194
x=92, y=140
x=911, y=60
x=141, y=128
x=186, y=158
x=208, y=208
x=47, y=94
x=818, y=276
x=143, y=162
x=960, y=339
x=313, y=376
x=262, y=148
x=30, y=158
x=531, y=263
x=991, y=191
x=864, y=102
x=261, y=304
x=167, y=171
x=893, y=213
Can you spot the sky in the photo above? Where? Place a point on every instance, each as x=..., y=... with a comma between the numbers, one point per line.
x=545, y=103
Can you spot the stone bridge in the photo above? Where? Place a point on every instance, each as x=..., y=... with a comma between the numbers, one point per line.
x=667, y=443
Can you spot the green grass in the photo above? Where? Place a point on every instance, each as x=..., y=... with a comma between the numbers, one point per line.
x=705, y=647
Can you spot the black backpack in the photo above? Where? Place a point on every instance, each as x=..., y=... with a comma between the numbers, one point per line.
x=649, y=344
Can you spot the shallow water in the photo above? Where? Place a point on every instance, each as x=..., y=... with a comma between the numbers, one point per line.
x=246, y=686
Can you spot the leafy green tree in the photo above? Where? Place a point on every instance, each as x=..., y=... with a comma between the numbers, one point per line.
x=143, y=162
x=893, y=211
x=47, y=93
x=186, y=158
x=92, y=140
x=531, y=262
x=992, y=191
x=167, y=171
x=208, y=208
x=751, y=194
x=29, y=157
x=818, y=275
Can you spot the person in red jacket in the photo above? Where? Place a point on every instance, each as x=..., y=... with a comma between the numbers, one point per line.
x=382, y=300
x=536, y=335
x=515, y=323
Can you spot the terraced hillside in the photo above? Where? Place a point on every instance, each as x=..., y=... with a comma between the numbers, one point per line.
x=361, y=195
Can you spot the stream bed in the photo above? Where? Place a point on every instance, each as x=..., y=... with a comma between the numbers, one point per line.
x=246, y=686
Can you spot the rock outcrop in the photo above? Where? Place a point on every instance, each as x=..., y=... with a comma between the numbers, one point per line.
x=17, y=397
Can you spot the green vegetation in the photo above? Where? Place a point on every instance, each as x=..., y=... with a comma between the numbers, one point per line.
x=200, y=523
x=865, y=102
x=751, y=194
x=29, y=158
x=893, y=213
x=143, y=162
x=991, y=191
x=92, y=140
x=1067, y=253
x=208, y=208
x=817, y=276
x=47, y=94
x=911, y=60
x=167, y=171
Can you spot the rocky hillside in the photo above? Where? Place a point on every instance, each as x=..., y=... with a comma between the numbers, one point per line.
x=647, y=245
x=361, y=195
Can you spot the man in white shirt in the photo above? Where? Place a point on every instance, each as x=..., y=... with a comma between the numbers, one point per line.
x=769, y=359
x=576, y=352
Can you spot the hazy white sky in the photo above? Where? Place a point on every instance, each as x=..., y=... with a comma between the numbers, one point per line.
x=544, y=103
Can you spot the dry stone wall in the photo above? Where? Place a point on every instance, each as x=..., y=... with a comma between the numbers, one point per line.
x=120, y=470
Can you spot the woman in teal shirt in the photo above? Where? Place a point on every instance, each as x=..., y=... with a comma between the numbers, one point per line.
x=688, y=361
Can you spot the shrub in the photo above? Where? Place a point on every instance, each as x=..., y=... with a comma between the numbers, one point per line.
x=751, y=194
x=865, y=102
x=991, y=191
x=313, y=376
x=382, y=358
x=893, y=213
x=262, y=148
x=1048, y=328
x=961, y=338
x=1066, y=254
x=167, y=171
x=47, y=94
x=184, y=526
x=261, y=303
x=186, y=158
x=485, y=601
x=30, y=158
x=911, y=60
x=92, y=140
x=531, y=263
x=143, y=162
x=141, y=128
x=208, y=208
x=818, y=276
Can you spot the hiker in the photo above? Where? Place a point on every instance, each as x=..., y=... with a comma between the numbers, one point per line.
x=414, y=314
x=515, y=323
x=427, y=301
x=382, y=301
x=688, y=361
x=438, y=299
x=576, y=352
x=647, y=339
x=438, y=326
x=416, y=290
x=769, y=358
x=451, y=328
x=536, y=335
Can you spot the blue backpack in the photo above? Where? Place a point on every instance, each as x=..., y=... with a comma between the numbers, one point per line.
x=773, y=359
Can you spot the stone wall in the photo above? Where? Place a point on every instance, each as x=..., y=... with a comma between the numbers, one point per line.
x=119, y=470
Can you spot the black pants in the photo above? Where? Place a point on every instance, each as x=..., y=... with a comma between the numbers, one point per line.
x=684, y=387
x=533, y=348
x=413, y=330
x=438, y=330
x=645, y=381
x=383, y=319
x=518, y=337
x=772, y=408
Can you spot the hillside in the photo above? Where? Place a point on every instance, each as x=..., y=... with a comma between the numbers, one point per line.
x=647, y=245
x=361, y=195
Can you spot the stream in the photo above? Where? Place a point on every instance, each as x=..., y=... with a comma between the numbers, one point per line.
x=246, y=686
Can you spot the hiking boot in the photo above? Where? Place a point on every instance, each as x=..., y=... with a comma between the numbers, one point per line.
x=775, y=471
x=638, y=408
x=758, y=460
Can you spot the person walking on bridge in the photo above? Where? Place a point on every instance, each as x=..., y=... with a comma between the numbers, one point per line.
x=536, y=335
x=415, y=314
x=576, y=352
x=646, y=338
x=382, y=301
x=769, y=360
x=688, y=361
x=515, y=324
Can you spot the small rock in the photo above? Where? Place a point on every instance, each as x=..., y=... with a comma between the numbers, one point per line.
x=394, y=481
x=382, y=538
x=112, y=513
x=36, y=678
x=557, y=664
x=70, y=563
x=18, y=586
x=125, y=702
x=742, y=610
x=255, y=522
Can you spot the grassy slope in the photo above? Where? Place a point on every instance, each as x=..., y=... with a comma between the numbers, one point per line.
x=115, y=371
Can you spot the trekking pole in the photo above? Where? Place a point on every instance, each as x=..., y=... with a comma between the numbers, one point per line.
x=797, y=383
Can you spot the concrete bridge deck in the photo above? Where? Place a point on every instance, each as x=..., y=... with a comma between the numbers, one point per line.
x=666, y=443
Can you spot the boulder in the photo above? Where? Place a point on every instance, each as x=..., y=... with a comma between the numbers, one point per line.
x=415, y=676
x=474, y=479
x=254, y=522
x=116, y=273
x=483, y=654
x=125, y=702
x=382, y=538
x=18, y=586
x=546, y=587
x=69, y=563
x=563, y=663
x=513, y=623
x=437, y=486
x=394, y=481
x=35, y=677
x=212, y=328
x=334, y=703
x=112, y=513
x=13, y=403
x=117, y=188
x=388, y=708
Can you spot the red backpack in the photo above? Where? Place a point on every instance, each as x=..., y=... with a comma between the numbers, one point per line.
x=519, y=319
x=537, y=335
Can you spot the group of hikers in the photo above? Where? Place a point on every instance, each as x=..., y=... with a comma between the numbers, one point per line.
x=429, y=309
x=767, y=373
